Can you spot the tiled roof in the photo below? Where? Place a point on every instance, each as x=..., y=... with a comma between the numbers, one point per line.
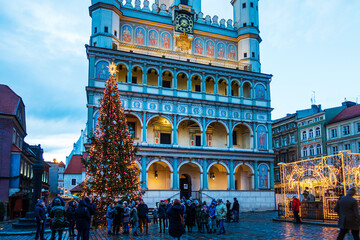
x=347, y=113
x=15, y=148
x=8, y=100
x=75, y=165
x=78, y=188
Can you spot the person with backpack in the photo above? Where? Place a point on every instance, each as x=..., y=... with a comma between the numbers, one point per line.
x=126, y=218
x=110, y=216
x=82, y=221
x=70, y=214
x=57, y=214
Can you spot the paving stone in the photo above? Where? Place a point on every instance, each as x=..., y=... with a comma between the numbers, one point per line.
x=251, y=226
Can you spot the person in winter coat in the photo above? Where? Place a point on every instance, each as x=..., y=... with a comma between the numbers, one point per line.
x=155, y=215
x=228, y=211
x=197, y=209
x=110, y=216
x=134, y=220
x=204, y=219
x=221, y=215
x=70, y=214
x=143, y=216
x=349, y=219
x=190, y=216
x=82, y=221
x=92, y=210
x=126, y=218
x=40, y=214
x=57, y=214
x=162, y=216
x=296, y=208
x=212, y=215
x=235, y=210
x=176, y=222
x=119, y=210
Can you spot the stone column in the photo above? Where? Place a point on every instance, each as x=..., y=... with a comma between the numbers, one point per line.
x=203, y=137
x=129, y=80
x=175, y=131
x=272, y=175
x=175, y=175
x=205, y=175
x=143, y=173
x=232, y=179
x=144, y=129
x=230, y=142
x=256, y=178
x=144, y=80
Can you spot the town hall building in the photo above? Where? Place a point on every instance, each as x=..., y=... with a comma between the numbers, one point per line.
x=196, y=101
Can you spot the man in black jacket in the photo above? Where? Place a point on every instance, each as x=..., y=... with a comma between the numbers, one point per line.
x=118, y=217
x=40, y=214
x=348, y=210
x=143, y=216
x=235, y=209
x=70, y=213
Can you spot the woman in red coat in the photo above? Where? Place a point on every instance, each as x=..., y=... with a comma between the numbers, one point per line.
x=296, y=208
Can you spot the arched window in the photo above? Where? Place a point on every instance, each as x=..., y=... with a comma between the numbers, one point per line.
x=304, y=136
x=311, y=133
x=312, y=150
x=304, y=152
x=318, y=149
x=247, y=90
x=317, y=132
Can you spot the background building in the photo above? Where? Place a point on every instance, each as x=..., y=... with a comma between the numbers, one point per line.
x=195, y=99
x=56, y=178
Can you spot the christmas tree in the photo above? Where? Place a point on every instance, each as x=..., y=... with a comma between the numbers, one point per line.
x=111, y=169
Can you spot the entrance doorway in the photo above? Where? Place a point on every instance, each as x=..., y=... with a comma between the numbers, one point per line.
x=185, y=186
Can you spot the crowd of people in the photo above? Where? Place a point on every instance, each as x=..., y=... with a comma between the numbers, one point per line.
x=174, y=216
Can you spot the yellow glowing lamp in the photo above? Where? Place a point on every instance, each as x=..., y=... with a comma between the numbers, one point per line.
x=112, y=69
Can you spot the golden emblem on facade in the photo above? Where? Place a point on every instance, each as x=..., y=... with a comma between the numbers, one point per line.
x=183, y=42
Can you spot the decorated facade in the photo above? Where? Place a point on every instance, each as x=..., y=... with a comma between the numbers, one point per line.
x=195, y=99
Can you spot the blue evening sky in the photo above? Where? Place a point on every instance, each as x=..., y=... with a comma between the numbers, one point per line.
x=308, y=45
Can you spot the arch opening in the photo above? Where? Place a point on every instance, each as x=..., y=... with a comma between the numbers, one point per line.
x=235, y=89
x=152, y=77
x=189, y=133
x=122, y=73
x=241, y=137
x=182, y=81
x=167, y=79
x=137, y=75
x=216, y=135
x=159, y=131
x=244, y=178
x=159, y=176
x=222, y=87
x=247, y=90
x=209, y=85
x=189, y=179
x=196, y=83
x=217, y=177
x=134, y=126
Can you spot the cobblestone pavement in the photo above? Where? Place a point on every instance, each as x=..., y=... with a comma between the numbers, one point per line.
x=251, y=226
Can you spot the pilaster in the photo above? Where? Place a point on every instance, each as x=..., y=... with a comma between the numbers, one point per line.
x=175, y=175
x=272, y=175
x=256, y=178
x=205, y=175
x=143, y=173
x=232, y=180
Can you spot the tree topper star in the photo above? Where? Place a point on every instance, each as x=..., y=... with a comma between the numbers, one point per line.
x=112, y=69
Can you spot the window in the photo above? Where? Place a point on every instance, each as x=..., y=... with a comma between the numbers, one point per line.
x=312, y=150
x=14, y=136
x=106, y=29
x=245, y=55
x=244, y=24
x=185, y=2
x=304, y=151
x=234, y=138
x=276, y=143
x=131, y=126
x=94, y=44
x=317, y=132
x=197, y=88
x=166, y=84
x=251, y=4
x=335, y=150
x=358, y=127
x=165, y=138
x=244, y=5
x=252, y=24
x=198, y=140
x=73, y=181
x=358, y=147
x=95, y=30
x=253, y=54
x=347, y=147
x=115, y=33
x=311, y=133
x=304, y=135
x=318, y=149
x=333, y=133
x=346, y=130
x=284, y=142
x=292, y=139
x=134, y=80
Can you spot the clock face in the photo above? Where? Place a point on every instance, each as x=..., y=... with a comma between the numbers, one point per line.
x=184, y=22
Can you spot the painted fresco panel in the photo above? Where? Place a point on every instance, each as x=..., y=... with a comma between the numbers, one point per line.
x=140, y=36
x=221, y=50
x=166, y=40
x=232, y=52
x=126, y=33
x=261, y=138
x=102, y=71
x=263, y=176
x=260, y=92
x=153, y=38
x=210, y=48
x=199, y=46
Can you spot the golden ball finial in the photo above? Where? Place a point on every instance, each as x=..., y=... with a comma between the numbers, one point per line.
x=112, y=69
